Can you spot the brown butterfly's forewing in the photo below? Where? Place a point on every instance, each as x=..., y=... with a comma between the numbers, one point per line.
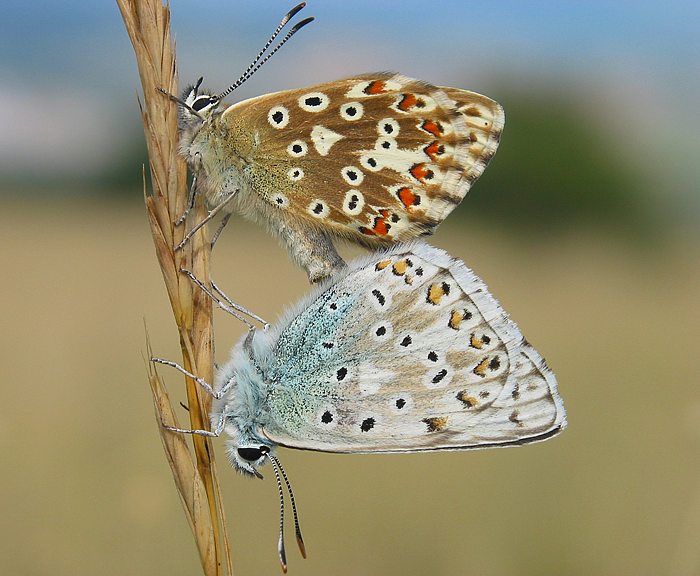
x=378, y=157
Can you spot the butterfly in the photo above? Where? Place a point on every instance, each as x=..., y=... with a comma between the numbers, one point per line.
x=374, y=158
x=405, y=350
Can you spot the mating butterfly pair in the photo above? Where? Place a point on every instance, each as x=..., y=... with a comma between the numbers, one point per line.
x=402, y=351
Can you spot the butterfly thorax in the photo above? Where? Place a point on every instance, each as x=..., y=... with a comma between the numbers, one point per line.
x=243, y=410
x=221, y=155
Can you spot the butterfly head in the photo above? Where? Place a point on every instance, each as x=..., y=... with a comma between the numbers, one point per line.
x=196, y=107
x=249, y=457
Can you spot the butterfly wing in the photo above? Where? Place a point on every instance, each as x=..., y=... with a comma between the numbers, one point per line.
x=407, y=352
x=378, y=158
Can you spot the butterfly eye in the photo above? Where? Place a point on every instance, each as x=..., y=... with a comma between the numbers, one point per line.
x=252, y=454
x=202, y=102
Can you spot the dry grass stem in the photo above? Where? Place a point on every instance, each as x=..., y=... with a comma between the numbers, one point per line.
x=148, y=25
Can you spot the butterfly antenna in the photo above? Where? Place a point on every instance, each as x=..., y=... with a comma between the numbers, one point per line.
x=280, y=544
x=297, y=529
x=257, y=63
x=183, y=103
x=293, y=12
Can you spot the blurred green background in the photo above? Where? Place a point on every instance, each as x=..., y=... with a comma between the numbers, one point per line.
x=584, y=226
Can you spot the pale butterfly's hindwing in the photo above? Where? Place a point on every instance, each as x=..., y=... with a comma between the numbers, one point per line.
x=377, y=158
x=404, y=351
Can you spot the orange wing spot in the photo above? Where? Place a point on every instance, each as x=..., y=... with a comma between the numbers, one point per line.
x=466, y=399
x=407, y=102
x=421, y=172
x=476, y=342
x=375, y=87
x=400, y=267
x=435, y=128
x=435, y=294
x=456, y=319
x=437, y=424
x=434, y=149
x=380, y=227
x=480, y=369
x=381, y=265
x=408, y=198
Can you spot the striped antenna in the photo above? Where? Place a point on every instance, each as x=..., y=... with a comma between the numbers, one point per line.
x=257, y=62
x=297, y=528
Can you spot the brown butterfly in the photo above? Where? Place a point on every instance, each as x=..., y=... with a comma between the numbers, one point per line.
x=375, y=159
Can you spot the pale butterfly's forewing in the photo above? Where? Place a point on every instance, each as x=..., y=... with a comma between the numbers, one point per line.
x=379, y=157
x=407, y=351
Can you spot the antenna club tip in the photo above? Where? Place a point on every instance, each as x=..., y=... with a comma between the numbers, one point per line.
x=302, y=547
x=294, y=11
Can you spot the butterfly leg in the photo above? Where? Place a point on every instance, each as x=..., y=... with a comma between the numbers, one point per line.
x=211, y=433
x=227, y=305
x=211, y=215
x=190, y=199
x=208, y=387
x=220, y=229
x=238, y=307
x=203, y=383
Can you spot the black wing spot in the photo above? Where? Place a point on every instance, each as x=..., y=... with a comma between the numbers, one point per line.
x=367, y=424
x=406, y=341
x=432, y=356
x=439, y=376
x=341, y=373
x=379, y=296
x=327, y=417
x=400, y=403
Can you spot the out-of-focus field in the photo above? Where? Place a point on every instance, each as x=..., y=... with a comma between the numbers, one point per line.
x=85, y=488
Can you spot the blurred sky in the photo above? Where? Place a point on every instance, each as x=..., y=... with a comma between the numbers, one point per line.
x=69, y=84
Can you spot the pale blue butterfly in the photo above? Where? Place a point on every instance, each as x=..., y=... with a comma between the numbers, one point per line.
x=405, y=350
